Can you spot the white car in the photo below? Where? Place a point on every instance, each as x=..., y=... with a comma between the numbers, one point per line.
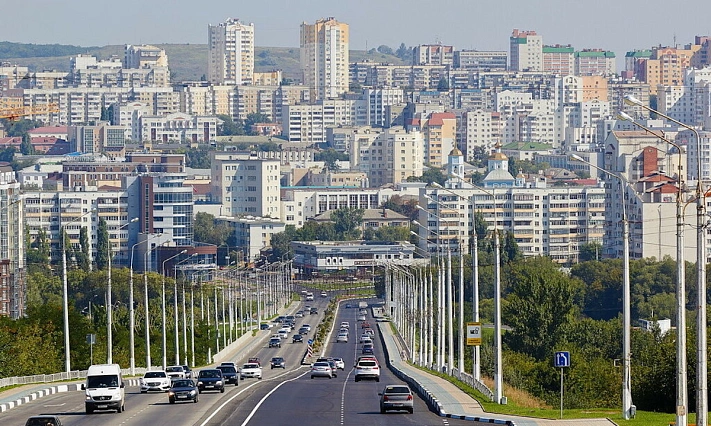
x=365, y=338
x=284, y=333
x=176, y=372
x=340, y=364
x=250, y=369
x=342, y=338
x=324, y=294
x=156, y=380
x=345, y=324
x=367, y=369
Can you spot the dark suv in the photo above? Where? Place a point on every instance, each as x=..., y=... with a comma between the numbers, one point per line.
x=229, y=373
x=278, y=362
x=211, y=379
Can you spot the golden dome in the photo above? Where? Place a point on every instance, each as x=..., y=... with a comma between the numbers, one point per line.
x=455, y=152
x=498, y=156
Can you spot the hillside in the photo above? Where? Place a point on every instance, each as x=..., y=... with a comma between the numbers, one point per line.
x=187, y=61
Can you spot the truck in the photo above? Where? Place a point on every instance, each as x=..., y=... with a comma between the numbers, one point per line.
x=104, y=388
x=363, y=305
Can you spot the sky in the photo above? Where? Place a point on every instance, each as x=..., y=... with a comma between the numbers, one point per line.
x=615, y=25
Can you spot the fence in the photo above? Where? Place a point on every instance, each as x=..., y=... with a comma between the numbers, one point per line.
x=56, y=377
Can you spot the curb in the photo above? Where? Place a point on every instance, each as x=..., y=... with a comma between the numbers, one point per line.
x=432, y=403
x=50, y=391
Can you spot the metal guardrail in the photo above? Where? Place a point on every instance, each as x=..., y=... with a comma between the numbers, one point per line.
x=56, y=377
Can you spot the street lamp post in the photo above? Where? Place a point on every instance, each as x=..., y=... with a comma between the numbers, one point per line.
x=682, y=401
x=109, y=303
x=131, y=313
x=65, y=293
x=175, y=308
x=626, y=320
x=165, y=350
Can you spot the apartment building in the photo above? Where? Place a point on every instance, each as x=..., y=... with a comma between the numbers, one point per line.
x=440, y=136
x=147, y=57
x=231, y=53
x=178, y=127
x=245, y=185
x=96, y=139
x=12, y=246
x=308, y=122
x=688, y=102
x=251, y=234
x=482, y=130
x=526, y=51
x=324, y=57
x=559, y=59
x=595, y=62
x=387, y=155
x=480, y=61
x=433, y=54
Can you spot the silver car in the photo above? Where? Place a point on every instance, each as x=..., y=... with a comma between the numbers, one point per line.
x=396, y=397
x=321, y=369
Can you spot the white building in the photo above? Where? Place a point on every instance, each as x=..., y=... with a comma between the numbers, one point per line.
x=482, y=129
x=251, y=234
x=325, y=57
x=526, y=51
x=231, y=56
x=246, y=185
x=178, y=127
x=308, y=123
x=12, y=246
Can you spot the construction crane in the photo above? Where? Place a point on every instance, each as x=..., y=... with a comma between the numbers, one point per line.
x=15, y=113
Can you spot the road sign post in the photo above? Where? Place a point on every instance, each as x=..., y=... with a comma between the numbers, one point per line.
x=562, y=361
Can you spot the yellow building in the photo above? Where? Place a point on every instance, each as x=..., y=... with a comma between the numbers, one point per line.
x=324, y=57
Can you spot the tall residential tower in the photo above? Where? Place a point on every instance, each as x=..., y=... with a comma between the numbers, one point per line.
x=324, y=58
x=231, y=58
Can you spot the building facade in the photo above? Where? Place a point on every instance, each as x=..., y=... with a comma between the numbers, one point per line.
x=245, y=184
x=231, y=55
x=325, y=57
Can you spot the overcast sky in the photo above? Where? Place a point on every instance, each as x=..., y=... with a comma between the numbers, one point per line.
x=616, y=25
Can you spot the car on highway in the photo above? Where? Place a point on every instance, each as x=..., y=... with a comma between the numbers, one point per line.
x=283, y=333
x=313, y=311
x=366, y=340
x=188, y=372
x=369, y=331
x=345, y=324
x=277, y=362
x=210, y=379
x=367, y=368
x=183, y=390
x=251, y=370
x=229, y=374
x=304, y=330
x=324, y=294
x=43, y=420
x=396, y=397
x=334, y=367
x=290, y=318
x=367, y=349
x=265, y=326
x=321, y=369
x=365, y=324
x=155, y=380
x=342, y=338
x=340, y=364
x=361, y=317
x=299, y=314
x=308, y=326
x=309, y=297
x=255, y=360
x=275, y=342
x=297, y=338
x=175, y=372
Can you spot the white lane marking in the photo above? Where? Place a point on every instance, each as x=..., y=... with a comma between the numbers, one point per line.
x=261, y=401
x=343, y=397
x=218, y=409
x=55, y=405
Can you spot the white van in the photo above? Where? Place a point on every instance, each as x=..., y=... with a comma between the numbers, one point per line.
x=104, y=388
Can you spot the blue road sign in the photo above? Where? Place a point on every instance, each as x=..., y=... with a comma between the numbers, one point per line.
x=310, y=341
x=562, y=359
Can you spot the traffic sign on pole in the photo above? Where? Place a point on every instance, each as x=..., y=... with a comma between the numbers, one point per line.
x=473, y=333
x=562, y=359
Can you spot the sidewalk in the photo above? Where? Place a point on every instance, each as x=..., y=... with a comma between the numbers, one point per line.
x=17, y=396
x=447, y=400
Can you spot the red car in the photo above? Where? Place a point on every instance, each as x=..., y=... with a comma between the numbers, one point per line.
x=365, y=324
x=254, y=360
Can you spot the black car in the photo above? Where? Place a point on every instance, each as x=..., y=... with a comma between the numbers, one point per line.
x=277, y=362
x=297, y=338
x=229, y=373
x=212, y=379
x=43, y=420
x=303, y=330
x=314, y=311
x=183, y=390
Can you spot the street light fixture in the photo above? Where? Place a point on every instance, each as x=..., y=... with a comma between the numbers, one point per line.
x=175, y=307
x=65, y=291
x=165, y=351
x=626, y=320
x=109, y=304
x=682, y=401
x=701, y=258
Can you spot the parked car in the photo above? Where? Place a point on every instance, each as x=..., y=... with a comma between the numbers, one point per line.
x=175, y=372
x=396, y=397
x=43, y=421
x=297, y=338
x=229, y=374
x=155, y=380
x=183, y=390
x=324, y=294
x=277, y=362
x=210, y=378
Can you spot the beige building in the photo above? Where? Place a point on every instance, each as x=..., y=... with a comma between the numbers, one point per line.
x=439, y=130
x=231, y=56
x=245, y=185
x=325, y=57
x=387, y=156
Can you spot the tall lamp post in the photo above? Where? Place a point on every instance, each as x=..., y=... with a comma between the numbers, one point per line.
x=175, y=307
x=626, y=320
x=65, y=293
x=109, y=303
x=682, y=401
x=131, y=311
x=165, y=350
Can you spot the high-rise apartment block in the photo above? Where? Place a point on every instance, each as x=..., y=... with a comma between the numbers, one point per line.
x=559, y=59
x=526, y=51
x=324, y=57
x=231, y=57
x=433, y=54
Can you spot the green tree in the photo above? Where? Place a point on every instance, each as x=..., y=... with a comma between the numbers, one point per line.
x=230, y=127
x=443, y=85
x=539, y=307
x=197, y=158
x=602, y=287
x=347, y=223
x=254, y=118
x=510, y=252
x=385, y=50
x=392, y=233
x=206, y=231
x=404, y=206
x=281, y=242
x=83, y=260
x=26, y=147
x=102, y=244
x=590, y=251
x=330, y=157
x=430, y=175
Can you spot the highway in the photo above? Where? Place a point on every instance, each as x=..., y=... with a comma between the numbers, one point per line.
x=283, y=397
